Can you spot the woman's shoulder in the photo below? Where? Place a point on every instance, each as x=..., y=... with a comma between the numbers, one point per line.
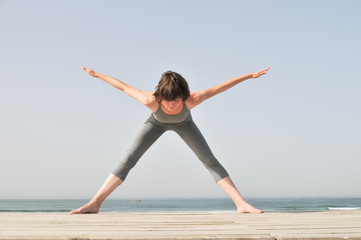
x=152, y=103
x=193, y=100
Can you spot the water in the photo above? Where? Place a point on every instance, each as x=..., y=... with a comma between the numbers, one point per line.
x=183, y=205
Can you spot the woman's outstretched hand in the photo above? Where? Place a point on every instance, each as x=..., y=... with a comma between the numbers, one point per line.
x=89, y=71
x=259, y=73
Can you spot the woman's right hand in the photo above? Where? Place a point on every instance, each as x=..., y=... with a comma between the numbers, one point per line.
x=259, y=73
x=89, y=71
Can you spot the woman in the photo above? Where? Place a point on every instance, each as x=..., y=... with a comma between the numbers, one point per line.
x=170, y=105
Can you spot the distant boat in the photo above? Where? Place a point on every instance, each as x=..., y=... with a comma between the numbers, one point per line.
x=137, y=200
x=343, y=208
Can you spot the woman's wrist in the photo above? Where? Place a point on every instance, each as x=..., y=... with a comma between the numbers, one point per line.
x=97, y=75
x=250, y=75
x=246, y=77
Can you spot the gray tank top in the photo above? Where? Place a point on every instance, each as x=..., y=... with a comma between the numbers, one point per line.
x=162, y=117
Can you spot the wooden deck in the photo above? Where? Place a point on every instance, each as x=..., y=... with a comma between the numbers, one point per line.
x=183, y=225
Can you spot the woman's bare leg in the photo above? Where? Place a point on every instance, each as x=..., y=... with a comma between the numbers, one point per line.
x=242, y=205
x=111, y=183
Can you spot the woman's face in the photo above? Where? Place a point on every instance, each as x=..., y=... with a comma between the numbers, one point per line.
x=172, y=106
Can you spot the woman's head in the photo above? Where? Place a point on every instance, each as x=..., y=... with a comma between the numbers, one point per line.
x=171, y=87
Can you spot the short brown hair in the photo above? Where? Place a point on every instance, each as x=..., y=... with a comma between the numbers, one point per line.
x=171, y=86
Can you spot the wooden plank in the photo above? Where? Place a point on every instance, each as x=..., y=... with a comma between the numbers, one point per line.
x=204, y=225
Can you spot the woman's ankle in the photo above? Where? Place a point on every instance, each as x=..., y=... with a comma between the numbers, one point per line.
x=96, y=202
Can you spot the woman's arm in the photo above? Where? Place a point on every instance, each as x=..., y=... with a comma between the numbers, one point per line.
x=200, y=96
x=145, y=98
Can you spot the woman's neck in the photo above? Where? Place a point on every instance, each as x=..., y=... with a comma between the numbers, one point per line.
x=176, y=110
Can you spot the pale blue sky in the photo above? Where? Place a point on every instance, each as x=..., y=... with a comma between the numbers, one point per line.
x=293, y=132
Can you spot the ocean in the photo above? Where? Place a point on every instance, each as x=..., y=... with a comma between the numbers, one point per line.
x=183, y=205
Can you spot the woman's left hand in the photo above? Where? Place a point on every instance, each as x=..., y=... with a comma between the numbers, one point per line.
x=259, y=73
x=90, y=72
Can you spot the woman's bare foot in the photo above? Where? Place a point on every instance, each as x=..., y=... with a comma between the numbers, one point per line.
x=91, y=207
x=248, y=208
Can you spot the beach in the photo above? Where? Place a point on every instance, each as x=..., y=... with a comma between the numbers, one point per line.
x=182, y=204
x=182, y=225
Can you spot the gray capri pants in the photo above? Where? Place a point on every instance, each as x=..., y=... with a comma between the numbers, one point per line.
x=187, y=130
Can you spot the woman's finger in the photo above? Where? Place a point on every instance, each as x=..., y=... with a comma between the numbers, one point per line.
x=86, y=69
